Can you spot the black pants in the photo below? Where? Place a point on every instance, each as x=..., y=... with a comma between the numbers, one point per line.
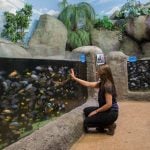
x=101, y=119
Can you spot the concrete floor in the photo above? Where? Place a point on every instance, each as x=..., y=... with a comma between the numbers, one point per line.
x=132, y=132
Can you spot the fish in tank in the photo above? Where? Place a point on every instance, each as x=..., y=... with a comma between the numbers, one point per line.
x=32, y=91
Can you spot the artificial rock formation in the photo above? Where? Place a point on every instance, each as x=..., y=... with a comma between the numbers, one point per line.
x=107, y=40
x=49, y=38
x=11, y=50
x=139, y=28
x=135, y=41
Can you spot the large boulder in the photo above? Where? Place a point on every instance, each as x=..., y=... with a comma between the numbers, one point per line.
x=130, y=47
x=11, y=50
x=49, y=38
x=146, y=49
x=139, y=28
x=107, y=40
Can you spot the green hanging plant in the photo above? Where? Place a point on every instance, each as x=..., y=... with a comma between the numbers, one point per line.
x=78, y=38
x=78, y=19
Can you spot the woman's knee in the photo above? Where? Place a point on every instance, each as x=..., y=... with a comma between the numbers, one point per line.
x=86, y=109
x=112, y=118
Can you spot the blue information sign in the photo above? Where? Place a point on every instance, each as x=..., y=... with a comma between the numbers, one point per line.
x=82, y=58
x=132, y=58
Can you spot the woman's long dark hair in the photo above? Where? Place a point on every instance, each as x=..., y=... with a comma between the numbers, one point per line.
x=105, y=75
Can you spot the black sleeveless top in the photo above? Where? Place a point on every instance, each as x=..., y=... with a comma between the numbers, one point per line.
x=101, y=96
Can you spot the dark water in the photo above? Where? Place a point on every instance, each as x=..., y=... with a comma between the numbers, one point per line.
x=33, y=90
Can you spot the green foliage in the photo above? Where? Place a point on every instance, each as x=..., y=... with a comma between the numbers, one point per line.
x=15, y=26
x=79, y=19
x=105, y=23
x=78, y=38
x=77, y=16
x=145, y=11
x=10, y=27
x=132, y=9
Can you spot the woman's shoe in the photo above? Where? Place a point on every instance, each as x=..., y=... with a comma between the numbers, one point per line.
x=100, y=130
x=111, y=129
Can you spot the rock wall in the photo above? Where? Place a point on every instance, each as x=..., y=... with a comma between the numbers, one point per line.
x=49, y=38
x=107, y=40
x=134, y=41
x=11, y=50
x=139, y=28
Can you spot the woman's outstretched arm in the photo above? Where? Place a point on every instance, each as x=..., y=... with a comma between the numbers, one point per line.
x=83, y=82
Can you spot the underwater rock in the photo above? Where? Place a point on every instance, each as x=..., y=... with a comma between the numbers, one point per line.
x=28, y=87
x=35, y=77
x=14, y=125
x=6, y=111
x=50, y=69
x=139, y=75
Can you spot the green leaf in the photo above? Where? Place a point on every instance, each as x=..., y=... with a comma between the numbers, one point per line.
x=16, y=24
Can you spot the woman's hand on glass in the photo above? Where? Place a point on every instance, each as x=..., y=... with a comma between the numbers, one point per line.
x=72, y=74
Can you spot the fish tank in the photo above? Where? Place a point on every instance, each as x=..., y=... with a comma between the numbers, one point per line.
x=139, y=75
x=33, y=91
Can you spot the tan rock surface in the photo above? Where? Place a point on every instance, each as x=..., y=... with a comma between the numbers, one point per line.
x=107, y=40
x=139, y=28
x=10, y=50
x=49, y=38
